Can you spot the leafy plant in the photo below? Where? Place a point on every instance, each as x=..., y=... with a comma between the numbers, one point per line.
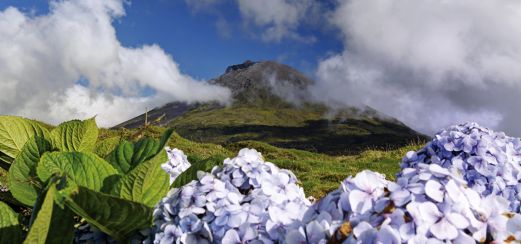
x=14, y=132
x=23, y=181
x=52, y=223
x=113, y=215
x=147, y=183
x=10, y=230
x=111, y=184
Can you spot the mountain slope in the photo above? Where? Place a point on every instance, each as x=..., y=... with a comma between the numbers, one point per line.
x=269, y=105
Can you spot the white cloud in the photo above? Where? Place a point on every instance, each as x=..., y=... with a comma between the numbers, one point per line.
x=43, y=57
x=429, y=63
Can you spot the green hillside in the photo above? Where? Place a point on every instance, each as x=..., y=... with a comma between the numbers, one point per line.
x=301, y=128
x=269, y=105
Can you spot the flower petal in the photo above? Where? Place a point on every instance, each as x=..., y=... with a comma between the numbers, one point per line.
x=433, y=189
x=457, y=220
x=360, y=201
x=444, y=230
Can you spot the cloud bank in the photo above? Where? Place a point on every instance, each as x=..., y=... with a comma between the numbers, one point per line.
x=428, y=63
x=69, y=64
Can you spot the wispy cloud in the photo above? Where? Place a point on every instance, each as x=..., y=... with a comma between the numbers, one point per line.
x=278, y=19
x=42, y=58
x=268, y=20
x=429, y=63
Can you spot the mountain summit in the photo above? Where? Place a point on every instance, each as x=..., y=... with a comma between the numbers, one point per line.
x=261, y=82
x=269, y=104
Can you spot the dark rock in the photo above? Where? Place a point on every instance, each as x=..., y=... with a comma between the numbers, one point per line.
x=244, y=65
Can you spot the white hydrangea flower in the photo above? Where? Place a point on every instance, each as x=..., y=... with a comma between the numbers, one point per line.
x=177, y=163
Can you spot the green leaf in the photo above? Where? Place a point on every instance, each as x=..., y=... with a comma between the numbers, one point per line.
x=121, y=157
x=165, y=138
x=53, y=223
x=84, y=169
x=23, y=181
x=127, y=156
x=105, y=147
x=191, y=173
x=147, y=183
x=144, y=149
x=76, y=135
x=10, y=230
x=14, y=132
x=117, y=217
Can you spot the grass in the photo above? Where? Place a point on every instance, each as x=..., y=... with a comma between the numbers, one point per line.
x=248, y=115
x=318, y=173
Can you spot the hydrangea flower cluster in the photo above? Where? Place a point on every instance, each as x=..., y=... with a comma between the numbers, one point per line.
x=462, y=187
x=177, y=163
x=489, y=162
x=247, y=200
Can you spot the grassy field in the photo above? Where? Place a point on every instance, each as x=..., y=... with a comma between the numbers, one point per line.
x=318, y=173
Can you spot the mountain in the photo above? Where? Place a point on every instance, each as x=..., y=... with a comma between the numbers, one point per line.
x=269, y=105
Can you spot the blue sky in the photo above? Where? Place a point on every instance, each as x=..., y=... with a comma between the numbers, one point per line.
x=195, y=42
x=430, y=64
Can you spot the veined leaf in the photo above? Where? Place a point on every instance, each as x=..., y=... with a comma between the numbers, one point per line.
x=14, y=132
x=53, y=223
x=147, y=183
x=105, y=147
x=191, y=173
x=165, y=138
x=76, y=135
x=23, y=181
x=10, y=230
x=115, y=216
x=144, y=149
x=126, y=156
x=82, y=168
x=121, y=157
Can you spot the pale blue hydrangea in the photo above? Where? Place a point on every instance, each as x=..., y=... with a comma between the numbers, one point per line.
x=247, y=200
x=462, y=187
x=489, y=162
x=177, y=163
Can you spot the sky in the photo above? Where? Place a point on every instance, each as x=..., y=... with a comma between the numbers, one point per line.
x=205, y=41
x=429, y=63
